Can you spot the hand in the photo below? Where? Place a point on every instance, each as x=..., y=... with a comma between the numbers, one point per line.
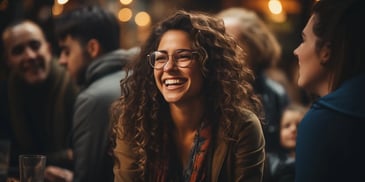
x=57, y=174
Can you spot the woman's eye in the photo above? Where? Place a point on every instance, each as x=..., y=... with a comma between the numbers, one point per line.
x=160, y=58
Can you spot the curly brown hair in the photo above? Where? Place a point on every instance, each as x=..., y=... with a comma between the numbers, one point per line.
x=142, y=115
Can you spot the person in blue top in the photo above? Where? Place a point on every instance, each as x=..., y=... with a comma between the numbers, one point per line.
x=331, y=66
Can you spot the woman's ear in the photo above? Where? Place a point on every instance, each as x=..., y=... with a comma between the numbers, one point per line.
x=325, y=54
x=93, y=48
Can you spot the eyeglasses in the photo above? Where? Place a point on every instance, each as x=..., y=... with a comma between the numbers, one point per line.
x=181, y=57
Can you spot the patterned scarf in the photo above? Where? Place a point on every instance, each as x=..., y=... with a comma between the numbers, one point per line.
x=196, y=170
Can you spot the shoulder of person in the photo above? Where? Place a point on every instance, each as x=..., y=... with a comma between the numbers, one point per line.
x=248, y=120
x=275, y=87
x=130, y=53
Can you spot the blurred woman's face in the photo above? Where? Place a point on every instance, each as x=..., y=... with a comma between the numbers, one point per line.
x=178, y=84
x=313, y=76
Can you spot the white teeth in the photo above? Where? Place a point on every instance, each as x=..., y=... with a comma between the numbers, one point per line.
x=169, y=82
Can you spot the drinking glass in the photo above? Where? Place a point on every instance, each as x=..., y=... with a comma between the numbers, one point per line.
x=4, y=159
x=32, y=168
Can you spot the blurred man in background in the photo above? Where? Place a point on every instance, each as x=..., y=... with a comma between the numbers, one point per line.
x=36, y=99
x=90, y=50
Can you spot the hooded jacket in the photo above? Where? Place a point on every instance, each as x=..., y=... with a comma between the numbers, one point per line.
x=91, y=125
x=331, y=134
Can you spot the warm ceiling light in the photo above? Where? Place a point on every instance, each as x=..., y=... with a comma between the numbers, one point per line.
x=125, y=14
x=62, y=2
x=275, y=6
x=126, y=2
x=142, y=19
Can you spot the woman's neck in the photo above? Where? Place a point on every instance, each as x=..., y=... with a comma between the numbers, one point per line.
x=187, y=117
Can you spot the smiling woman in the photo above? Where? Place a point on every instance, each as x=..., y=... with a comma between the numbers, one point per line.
x=195, y=117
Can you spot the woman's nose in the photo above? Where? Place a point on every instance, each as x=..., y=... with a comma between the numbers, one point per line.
x=170, y=64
